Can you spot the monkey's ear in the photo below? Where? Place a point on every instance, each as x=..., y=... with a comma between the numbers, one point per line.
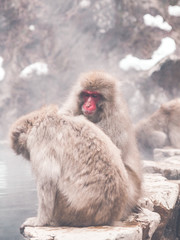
x=167, y=108
x=163, y=106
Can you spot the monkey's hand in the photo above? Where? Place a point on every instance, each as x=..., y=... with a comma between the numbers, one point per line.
x=20, y=129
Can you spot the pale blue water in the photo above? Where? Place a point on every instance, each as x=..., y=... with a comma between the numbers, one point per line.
x=18, y=199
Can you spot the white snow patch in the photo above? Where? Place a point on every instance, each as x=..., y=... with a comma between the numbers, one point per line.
x=131, y=62
x=174, y=11
x=38, y=68
x=2, y=72
x=167, y=47
x=156, y=21
x=85, y=3
x=32, y=27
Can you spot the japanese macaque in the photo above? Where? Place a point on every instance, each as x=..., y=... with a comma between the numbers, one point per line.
x=84, y=156
x=161, y=129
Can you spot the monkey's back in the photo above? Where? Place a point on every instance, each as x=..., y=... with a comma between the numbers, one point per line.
x=88, y=164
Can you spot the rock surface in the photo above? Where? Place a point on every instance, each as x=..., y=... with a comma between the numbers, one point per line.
x=99, y=233
x=159, y=200
x=161, y=154
x=164, y=195
x=135, y=228
x=169, y=168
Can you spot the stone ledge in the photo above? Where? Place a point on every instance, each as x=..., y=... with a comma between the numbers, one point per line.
x=169, y=168
x=134, y=228
x=89, y=233
x=159, y=200
x=164, y=153
x=164, y=196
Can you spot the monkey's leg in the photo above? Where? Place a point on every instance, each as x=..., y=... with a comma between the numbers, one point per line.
x=157, y=139
x=46, y=196
x=174, y=135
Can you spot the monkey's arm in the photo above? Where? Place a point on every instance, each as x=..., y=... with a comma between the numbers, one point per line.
x=21, y=128
x=19, y=133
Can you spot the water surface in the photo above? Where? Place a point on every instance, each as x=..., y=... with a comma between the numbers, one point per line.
x=18, y=199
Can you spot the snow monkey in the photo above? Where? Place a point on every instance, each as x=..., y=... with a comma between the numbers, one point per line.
x=84, y=156
x=161, y=129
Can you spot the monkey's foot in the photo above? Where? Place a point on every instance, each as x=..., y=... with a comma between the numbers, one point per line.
x=31, y=222
x=137, y=209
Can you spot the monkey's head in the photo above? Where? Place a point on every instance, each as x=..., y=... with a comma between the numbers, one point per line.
x=97, y=94
x=91, y=104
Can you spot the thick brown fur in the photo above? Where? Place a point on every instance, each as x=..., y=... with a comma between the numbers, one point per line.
x=161, y=129
x=88, y=172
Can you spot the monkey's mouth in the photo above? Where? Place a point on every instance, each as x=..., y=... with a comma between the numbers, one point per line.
x=88, y=113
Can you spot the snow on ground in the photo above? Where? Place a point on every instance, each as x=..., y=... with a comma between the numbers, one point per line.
x=38, y=68
x=174, y=11
x=31, y=27
x=167, y=47
x=156, y=21
x=85, y=3
x=2, y=72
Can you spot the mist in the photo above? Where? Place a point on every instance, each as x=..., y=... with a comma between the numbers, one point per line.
x=45, y=45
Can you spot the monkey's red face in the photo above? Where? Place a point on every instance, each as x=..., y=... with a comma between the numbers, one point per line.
x=90, y=101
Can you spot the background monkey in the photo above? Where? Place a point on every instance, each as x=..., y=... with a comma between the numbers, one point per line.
x=88, y=172
x=161, y=129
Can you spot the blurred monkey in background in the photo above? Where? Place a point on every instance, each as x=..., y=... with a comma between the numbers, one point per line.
x=161, y=129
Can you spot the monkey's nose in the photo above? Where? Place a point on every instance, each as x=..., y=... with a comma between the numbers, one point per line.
x=88, y=105
x=89, y=102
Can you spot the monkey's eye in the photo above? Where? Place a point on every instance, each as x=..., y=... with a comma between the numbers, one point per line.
x=86, y=94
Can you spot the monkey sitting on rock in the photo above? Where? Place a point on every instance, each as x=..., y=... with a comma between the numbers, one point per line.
x=84, y=156
x=161, y=129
